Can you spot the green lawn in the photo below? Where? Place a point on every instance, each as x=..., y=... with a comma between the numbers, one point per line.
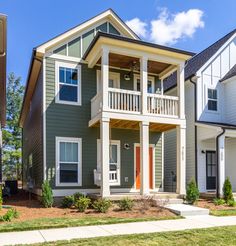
x=214, y=236
x=46, y=223
x=226, y=212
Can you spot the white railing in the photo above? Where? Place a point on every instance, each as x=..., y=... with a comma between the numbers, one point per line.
x=162, y=105
x=113, y=177
x=124, y=100
x=96, y=105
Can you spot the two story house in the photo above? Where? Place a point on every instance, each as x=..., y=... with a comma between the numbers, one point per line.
x=94, y=112
x=210, y=107
x=3, y=45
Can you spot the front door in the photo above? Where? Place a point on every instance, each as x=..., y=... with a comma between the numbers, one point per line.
x=137, y=161
x=211, y=170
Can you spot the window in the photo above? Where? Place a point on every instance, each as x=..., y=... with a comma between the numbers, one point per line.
x=114, y=80
x=114, y=161
x=68, y=153
x=212, y=99
x=68, y=89
x=150, y=85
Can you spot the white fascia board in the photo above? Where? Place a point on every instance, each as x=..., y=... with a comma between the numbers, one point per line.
x=107, y=14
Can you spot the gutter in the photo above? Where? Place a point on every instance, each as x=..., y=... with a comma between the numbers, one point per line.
x=217, y=161
x=195, y=127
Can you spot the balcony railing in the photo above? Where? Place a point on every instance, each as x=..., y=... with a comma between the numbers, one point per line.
x=130, y=102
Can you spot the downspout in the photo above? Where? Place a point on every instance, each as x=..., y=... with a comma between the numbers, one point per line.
x=195, y=128
x=217, y=162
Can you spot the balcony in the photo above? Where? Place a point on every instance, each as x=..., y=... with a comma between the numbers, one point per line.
x=129, y=102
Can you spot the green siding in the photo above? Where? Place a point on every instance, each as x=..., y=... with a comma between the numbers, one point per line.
x=87, y=38
x=158, y=163
x=113, y=30
x=74, y=47
x=32, y=138
x=72, y=121
x=61, y=50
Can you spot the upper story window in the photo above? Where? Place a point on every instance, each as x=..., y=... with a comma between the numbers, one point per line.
x=68, y=83
x=114, y=80
x=150, y=84
x=212, y=99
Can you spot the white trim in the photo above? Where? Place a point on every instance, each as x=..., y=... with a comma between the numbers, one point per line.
x=113, y=142
x=150, y=78
x=162, y=161
x=73, y=140
x=153, y=166
x=44, y=122
x=112, y=75
x=69, y=192
x=79, y=85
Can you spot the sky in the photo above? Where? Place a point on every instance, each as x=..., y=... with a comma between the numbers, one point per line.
x=186, y=24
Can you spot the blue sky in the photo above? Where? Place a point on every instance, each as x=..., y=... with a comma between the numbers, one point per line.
x=31, y=22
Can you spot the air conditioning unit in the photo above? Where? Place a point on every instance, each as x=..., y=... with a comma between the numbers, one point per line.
x=97, y=177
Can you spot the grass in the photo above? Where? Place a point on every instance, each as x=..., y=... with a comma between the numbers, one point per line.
x=211, y=236
x=223, y=212
x=47, y=223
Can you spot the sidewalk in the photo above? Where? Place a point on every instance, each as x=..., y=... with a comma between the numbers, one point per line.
x=40, y=236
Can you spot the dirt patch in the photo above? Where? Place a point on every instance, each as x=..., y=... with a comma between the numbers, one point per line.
x=32, y=209
x=208, y=203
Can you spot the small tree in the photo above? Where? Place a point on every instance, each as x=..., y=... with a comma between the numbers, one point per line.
x=1, y=200
x=47, y=195
x=192, y=192
x=227, y=190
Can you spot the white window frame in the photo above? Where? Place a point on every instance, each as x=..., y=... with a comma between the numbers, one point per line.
x=216, y=100
x=112, y=75
x=68, y=140
x=150, y=78
x=57, y=87
x=99, y=167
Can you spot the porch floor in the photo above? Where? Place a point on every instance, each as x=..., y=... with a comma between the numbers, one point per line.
x=115, y=196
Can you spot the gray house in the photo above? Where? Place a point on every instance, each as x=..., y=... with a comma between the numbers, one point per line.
x=94, y=112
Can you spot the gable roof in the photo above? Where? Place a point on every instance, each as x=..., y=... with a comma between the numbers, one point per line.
x=230, y=74
x=197, y=61
x=110, y=14
x=3, y=47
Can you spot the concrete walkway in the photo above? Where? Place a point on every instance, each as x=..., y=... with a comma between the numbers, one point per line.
x=40, y=236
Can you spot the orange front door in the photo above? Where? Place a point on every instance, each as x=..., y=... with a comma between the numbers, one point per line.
x=138, y=178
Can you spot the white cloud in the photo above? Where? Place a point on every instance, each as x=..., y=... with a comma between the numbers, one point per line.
x=168, y=28
x=138, y=26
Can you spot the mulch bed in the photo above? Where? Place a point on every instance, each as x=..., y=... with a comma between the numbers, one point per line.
x=32, y=209
x=208, y=203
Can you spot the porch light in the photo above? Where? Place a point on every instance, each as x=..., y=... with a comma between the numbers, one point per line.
x=127, y=76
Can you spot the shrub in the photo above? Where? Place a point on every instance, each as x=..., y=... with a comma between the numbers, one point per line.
x=47, y=196
x=1, y=200
x=78, y=195
x=102, y=205
x=126, y=204
x=68, y=201
x=82, y=203
x=218, y=201
x=227, y=190
x=192, y=192
x=9, y=215
x=232, y=203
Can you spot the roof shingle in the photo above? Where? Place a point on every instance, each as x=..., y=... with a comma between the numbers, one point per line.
x=230, y=74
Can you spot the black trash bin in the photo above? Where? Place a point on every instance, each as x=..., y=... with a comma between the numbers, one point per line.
x=12, y=185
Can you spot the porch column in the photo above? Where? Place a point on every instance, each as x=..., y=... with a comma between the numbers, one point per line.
x=105, y=77
x=221, y=163
x=105, y=142
x=181, y=89
x=143, y=82
x=181, y=160
x=144, y=157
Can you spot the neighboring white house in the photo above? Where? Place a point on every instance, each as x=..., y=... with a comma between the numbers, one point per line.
x=210, y=100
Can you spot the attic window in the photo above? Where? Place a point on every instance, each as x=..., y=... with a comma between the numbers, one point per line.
x=212, y=99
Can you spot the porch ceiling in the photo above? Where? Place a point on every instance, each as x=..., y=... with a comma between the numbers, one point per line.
x=134, y=125
x=127, y=62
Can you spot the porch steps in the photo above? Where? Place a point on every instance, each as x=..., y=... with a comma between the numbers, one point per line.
x=186, y=210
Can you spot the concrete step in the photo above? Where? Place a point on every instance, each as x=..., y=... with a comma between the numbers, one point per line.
x=186, y=210
x=167, y=201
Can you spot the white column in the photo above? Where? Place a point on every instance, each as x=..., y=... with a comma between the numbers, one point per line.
x=144, y=157
x=105, y=77
x=221, y=163
x=180, y=90
x=143, y=82
x=181, y=160
x=105, y=145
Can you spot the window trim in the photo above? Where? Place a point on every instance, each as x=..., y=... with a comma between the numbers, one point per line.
x=112, y=75
x=150, y=78
x=70, y=140
x=211, y=99
x=99, y=167
x=72, y=66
